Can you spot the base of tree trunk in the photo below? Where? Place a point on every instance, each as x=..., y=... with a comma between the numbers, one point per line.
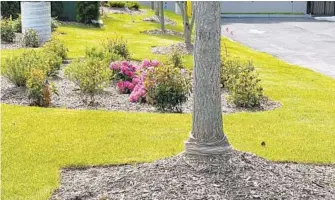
x=194, y=147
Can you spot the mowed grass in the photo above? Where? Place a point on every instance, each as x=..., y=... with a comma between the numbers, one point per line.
x=37, y=142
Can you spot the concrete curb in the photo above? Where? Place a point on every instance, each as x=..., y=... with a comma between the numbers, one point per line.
x=264, y=16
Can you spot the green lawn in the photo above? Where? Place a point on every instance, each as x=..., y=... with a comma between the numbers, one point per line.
x=37, y=142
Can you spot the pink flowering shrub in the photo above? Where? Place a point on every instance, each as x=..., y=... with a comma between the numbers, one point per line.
x=140, y=91
x=130, y=78
x=123, y=73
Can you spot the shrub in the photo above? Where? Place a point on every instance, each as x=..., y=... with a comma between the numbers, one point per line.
x=167, y=88
x=116, y=4
x=101, y=53
x=17, y=24
x=242, y=81
x=57, y=47
x=175, y=59
x=17, y=67
x=123, y=73
x=7, y=30
x=38, y=88
x=51, y=62
x=87, y=11
x=54, y=24
x=10, y=8
x=133, y=5
x=117, y=45
x=139, y=92
x=90, y=74
x=31, y=38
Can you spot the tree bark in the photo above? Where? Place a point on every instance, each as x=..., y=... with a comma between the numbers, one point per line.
x=162, y=16
x=152, y=5
x=207, y=137
x=186, y=24
x=157, y=8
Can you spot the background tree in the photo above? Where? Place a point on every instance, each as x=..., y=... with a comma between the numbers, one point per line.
x=207, y=135
x=188, y=25
x=161, y=19
x=157, y=8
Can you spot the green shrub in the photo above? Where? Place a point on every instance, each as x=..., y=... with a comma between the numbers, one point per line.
x=116, y=4
x=56, y=8
x=133, y=5
x=167, y=88
x=7, y=30
x=54, y=24
x=57, y=47
x=117, y=45
x=31, y=38
x=10, y=8
x=51, y=62
x=242, y=81
x=175, y=59
x=17, y=67
x=17, y=25
x=101, y=53
x=90, y=74
x=122, y=4
x=38, y=88
x=87, y=11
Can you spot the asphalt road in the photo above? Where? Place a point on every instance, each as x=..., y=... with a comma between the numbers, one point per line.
x=305, y=42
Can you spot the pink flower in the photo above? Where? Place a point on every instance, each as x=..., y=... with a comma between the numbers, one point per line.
x=114, y=66
x=155, y=63
x=145, y=63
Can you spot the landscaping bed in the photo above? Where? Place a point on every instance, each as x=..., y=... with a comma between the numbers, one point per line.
x=180, y=47
x=156, y=19
x=16, y=44
x=70, y=97
x=123, y=11
x=234, y=175
x=166, y=32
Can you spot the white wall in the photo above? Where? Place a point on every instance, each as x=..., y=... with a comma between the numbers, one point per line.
x=263, y=6
x=168, y=5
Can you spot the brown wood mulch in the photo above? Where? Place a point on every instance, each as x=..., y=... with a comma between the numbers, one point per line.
x=234, y=175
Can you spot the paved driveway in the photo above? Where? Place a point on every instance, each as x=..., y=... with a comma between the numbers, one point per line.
x=305, y=42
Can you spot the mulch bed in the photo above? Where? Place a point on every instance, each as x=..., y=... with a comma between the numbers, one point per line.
x=110, y=99
x=16, y=44
x=234, y=175
x=123, y=11
x=180, y=47
x=156, y=19
x=166, y=32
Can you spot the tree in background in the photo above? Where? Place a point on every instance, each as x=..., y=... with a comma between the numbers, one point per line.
x=87, y=11
x=161, y=19
x=188, y=25
x=10, y=8
x=207, y=137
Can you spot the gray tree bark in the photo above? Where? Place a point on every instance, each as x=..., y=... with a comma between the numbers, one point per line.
x=152, y=5
x=157, y=8
x=188, y=26
x=207, y=135
x=162, y=22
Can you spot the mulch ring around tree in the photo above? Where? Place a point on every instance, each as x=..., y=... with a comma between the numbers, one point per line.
x=180, y=47
x=156, y=19
x=160, y=32
x=123, y=11
x=16, y=44
x=234, y=175
x=69, y=96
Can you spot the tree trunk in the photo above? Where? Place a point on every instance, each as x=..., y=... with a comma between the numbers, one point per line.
x=157, y=8
x=152, y=5
x=187, y=35
x=162, y=16
x=207, y=135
